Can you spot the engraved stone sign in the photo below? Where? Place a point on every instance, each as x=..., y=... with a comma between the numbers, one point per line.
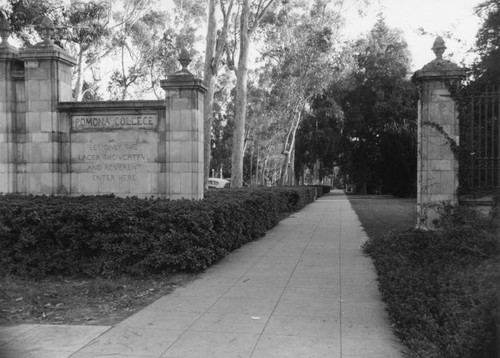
x=114, y=152
x=115, y=121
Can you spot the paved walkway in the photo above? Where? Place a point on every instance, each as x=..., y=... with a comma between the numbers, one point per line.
x=304, y=290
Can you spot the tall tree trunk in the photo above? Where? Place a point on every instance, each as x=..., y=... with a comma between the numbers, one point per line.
x=213, y=54
x=79, y=74
x=289, y=153
x=241, y=86
x=241, y=100
x=209, y=80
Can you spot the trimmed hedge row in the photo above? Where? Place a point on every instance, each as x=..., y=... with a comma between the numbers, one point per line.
x=442, y=289
x=106, y=235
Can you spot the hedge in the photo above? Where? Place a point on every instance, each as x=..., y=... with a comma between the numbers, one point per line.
x=107, y=236
x=442, y=289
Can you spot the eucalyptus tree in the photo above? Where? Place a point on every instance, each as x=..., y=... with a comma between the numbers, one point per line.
x=251, y=14
x=215, y=46
x=302, y=59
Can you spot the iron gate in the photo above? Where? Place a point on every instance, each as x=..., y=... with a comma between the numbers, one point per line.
x=480, y=139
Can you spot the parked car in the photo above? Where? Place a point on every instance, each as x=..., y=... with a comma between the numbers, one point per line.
x=218, y=183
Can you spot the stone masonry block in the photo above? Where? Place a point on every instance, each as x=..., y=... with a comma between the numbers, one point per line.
x=162, y=152
x=40, y=106
x=185, y=93
x=174, y=152
x=48, y=152
x=187, y=151
x=4, y=120
x=181, y=103
x=443, y=164
x=4, y=183
x=174, y=181
x=21, y=107
x=449, y=181
x=65, y=92
x=174, y=119
x=181, y=167
x=161, y=182
x=172, y=93
x=40, y=73
x=65, y=184
x=45, y=91
x=33, y=182
x=187, y=183
x=182, y=136
x=6, y=150
x=7, y=167
x=33, y=90
x=41, y=168
x=47, y=122
x=186, y=121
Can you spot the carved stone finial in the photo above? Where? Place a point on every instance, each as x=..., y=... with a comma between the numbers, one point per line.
x=47, y=30
x=439, y=47
x=4, y=30
x=185, y=60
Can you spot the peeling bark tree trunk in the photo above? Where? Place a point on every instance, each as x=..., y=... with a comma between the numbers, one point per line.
x=79, y=74
x=241, y=100
x=213, y=54
x=288, y=150
x=209, y=80
x=241, y=87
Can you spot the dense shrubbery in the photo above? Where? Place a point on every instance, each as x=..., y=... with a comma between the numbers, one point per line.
x=442, y=288
x=106, y=235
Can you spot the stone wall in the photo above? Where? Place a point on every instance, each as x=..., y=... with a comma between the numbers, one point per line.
x=113, y=147
x=51, y=145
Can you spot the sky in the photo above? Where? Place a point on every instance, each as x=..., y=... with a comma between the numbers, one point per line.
x=436, y=17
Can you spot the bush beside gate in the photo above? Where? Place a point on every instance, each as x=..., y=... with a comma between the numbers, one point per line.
x=107, y=235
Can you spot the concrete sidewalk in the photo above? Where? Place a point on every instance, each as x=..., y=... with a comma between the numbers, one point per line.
x=302, y=290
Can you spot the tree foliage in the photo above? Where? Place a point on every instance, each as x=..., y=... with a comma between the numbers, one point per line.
x=124, y=46
x=366, y=123
x=487, y=68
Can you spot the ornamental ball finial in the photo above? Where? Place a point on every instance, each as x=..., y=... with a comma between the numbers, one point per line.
x=439, y=47
x=47, y=30
x=184, y=59
x=4, y=30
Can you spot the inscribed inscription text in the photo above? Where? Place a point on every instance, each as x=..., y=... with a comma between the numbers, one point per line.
x=115, y=121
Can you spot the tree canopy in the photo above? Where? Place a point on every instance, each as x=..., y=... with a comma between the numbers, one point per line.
x=487, y=68
x=290, y=99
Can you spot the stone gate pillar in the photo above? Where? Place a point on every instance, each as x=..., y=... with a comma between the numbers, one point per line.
x=438, y=135
x=8, y=63
x=184, y=96
x=48, y=72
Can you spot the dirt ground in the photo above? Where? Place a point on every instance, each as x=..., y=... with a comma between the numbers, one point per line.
x=101, y=301
x=381, y=214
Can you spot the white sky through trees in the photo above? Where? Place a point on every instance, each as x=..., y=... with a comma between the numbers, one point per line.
x=436, y=17
x=453, y=19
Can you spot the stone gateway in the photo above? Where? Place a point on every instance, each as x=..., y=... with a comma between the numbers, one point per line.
x=52, y=145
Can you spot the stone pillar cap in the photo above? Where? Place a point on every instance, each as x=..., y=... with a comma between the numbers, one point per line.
x=5, y=48
x=47, y=49
x=439, y=67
